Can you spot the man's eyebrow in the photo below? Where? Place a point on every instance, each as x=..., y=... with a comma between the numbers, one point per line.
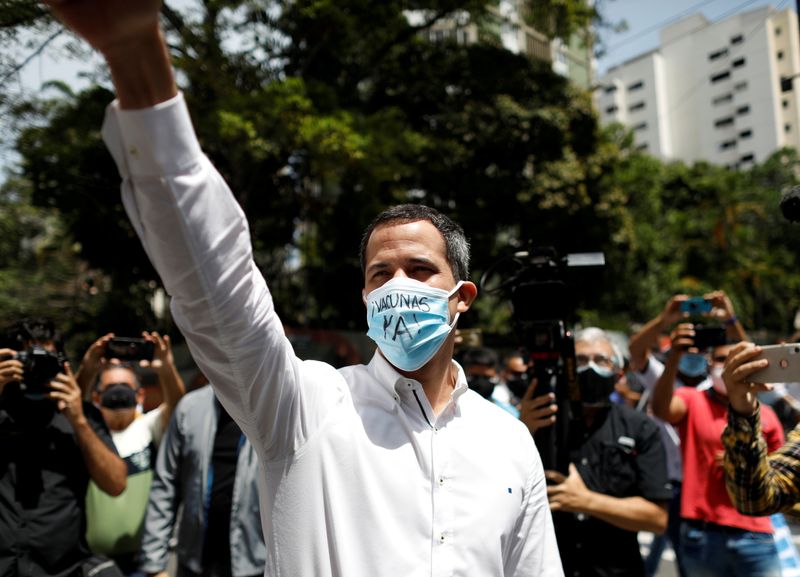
x=377, y=266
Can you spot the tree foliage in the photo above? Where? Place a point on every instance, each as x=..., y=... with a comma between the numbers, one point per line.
x=319, y=114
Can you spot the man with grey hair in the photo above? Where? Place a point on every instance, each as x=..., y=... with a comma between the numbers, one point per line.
x=617, y=481
x=391, y=468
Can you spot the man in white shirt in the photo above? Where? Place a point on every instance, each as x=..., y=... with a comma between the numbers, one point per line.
x=390, y=468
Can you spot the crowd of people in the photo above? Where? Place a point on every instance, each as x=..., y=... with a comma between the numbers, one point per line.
x=410, y=464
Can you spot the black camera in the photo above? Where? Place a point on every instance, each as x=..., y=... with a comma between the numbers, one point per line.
x=706, y=337
x=536, y=282
x=39, y=367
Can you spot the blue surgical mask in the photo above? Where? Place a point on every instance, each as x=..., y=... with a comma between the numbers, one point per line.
x=409, y=321
x=693, y=365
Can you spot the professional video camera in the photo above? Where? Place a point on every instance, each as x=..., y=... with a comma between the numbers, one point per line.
x=535, y=281
x=39, y=367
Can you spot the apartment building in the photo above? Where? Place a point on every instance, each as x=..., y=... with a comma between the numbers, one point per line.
x=724, y=92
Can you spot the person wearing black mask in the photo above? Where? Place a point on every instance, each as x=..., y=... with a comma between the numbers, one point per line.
x=51, y=445
x=480, y=368
x=617, y=481
x=114, y=524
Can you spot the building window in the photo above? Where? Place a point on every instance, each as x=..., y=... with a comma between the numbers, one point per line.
x=727, y=145
x=722, y=122
x=738, y=63
x=747, y=158
x=640, y=126
x=636, y=86
x=780, y=54
x=739, y=86
x=787, y=128
x=642, y=147
x=785, y=103
x=611, y=109
x=742, y=110
x=720, y=76
x=611, y=88
x=778, y=31
x=637, y=106
x=738, y=39
x=718, y=54
x=745, y=134
x=722, y=99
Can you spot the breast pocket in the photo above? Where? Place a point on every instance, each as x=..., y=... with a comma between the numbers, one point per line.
x=616, y=469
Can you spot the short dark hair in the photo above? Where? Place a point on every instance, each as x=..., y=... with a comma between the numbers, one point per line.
x=32, y=330
x=482, y=356
x=455, y=242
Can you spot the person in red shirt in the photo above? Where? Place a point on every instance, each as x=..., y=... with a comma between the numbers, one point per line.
x=715, y=538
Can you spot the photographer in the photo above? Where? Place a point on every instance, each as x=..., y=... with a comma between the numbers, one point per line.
x=51, y=445
x=617, y=482
x=715, y=539
x=114, y=524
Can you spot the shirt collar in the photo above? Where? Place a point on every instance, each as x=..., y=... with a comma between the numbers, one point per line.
x=391, y=381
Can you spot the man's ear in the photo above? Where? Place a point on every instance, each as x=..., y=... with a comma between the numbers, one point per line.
x=466, y=295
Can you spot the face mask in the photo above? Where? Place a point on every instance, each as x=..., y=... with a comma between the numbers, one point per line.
x=693, y=365
x=716, y=380
x=409, y=321
x=518, y=386
x=484, y=386
x=596, y=384
x=118, y=396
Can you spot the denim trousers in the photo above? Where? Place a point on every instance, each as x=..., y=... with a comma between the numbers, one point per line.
x=710, y=550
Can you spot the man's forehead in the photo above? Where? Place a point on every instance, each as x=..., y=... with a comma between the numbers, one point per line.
x=118, y=375
x=395, y=234
x=595, y=345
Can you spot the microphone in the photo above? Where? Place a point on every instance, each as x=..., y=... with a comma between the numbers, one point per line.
x=790, y=205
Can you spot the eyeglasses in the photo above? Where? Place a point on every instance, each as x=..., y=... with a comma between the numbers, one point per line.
x=599, y=360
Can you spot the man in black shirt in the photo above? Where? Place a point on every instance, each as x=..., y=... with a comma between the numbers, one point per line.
x=617, y=483
x=51, y=444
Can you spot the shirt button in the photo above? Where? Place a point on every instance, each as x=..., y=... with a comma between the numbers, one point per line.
x=584, y=461
x=441, y=538
x=441, y=481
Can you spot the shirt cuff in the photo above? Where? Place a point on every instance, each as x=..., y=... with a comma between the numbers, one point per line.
x=741, y=424
x=152, y=142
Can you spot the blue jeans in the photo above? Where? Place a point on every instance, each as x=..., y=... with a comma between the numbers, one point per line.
x=710, y=550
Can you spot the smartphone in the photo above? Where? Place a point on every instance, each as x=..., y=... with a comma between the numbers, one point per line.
x=129, y=349
x=696, y=306
x=784, y=364
x=707, y=337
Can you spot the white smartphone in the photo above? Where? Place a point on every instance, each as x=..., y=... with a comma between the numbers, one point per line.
x=784, y=364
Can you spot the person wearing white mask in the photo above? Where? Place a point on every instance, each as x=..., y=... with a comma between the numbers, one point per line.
x=390, y=468
x=715, y=539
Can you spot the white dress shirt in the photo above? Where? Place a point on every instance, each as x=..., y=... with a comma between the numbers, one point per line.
x=360, y=478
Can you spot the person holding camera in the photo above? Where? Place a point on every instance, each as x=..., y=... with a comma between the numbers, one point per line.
x=692, y=371
x=715, y=539
x=115, y=523
x=391, y=468
x=51, y=445
x=617, y=481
